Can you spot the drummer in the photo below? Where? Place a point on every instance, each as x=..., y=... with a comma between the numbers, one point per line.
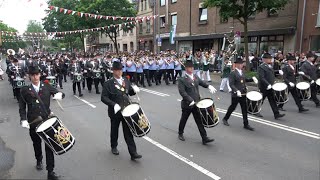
x=290, y=78
x=75, y=68
x=188, y=87
x=237, y=82
x=38, y=110
x=115, y=93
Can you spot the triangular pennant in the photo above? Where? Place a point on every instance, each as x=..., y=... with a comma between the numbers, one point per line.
x=65, y=11
x=51, y=7
x=81, y=14
x=69, y=11
x=86, y=14
x=61, y=10
x=101, y=17
x=56, y=8
x=95, y=16
x=73, y=12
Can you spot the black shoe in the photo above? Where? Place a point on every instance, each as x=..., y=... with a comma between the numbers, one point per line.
x=74, y=93
x=258, y=115
x=135, y=156
x=39, y=165
x=144, y=85
x=303, y=110
x=225, y=122
x=279, y=116
x=248, y=127
x=281, y=109
x=97, y=92
x=181, y=137
x=318, y=105
x=150, y=84
x=53, y=176
x=115, y=151
x=89, y=91
x=61, y=88
x=206, y=140
x=80, y=95
x=221, y=91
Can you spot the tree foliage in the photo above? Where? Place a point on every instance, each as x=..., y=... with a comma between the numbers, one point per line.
x=241, y=10
x=10, y=45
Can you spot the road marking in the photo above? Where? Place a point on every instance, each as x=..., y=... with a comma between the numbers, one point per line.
x=154, y=92
x=276, y=125
x=183, y=159
x=93, y=106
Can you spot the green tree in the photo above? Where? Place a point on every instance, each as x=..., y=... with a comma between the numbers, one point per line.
x=10, y=45
x=241, y=10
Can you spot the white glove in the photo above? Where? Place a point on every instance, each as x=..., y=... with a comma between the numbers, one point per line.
x=116, y=108
x=192, y=103
x=312, y=82
x=255, y=80
x=25, y=124
x=212, y=89
x=238, y=93
x=269, y=87
x=301, y=73
x=291, y=84
x=281, y=72
x=57, y=96
x=135, y=88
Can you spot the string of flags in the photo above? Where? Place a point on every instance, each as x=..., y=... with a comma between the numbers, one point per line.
x=30, y=39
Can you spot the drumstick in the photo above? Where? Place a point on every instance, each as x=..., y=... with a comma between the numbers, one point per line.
x=138, y=97
x=60, y=105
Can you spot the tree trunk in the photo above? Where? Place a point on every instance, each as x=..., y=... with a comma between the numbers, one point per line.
x=246, y=46
x=115, y=42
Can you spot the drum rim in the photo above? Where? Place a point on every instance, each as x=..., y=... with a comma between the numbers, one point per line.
x=298, y=85
x=256, y=92
x=318, y=81
x=277, y=85
x=205, y=99
x=44, y=122
x=134, y=103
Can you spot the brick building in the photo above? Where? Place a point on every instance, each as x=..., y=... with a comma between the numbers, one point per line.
x=308, y=26
x=200, y=28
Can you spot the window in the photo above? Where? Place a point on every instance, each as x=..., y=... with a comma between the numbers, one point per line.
x=173, y=1
x=145, y=5
x=162, y=2
x=203, y=12
x=125, y=47
x=174, y=19
x=140, y=28
x=142, y=5
x=131, y=31
x=272, y=13
x=148, y=26
x=131, y=46
x=163, y=21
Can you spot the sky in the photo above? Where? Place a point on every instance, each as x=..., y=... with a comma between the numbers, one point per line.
x=17, y=13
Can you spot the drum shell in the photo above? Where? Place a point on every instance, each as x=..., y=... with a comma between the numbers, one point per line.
x=254, y=106
x=18, y=84
x=281, y=97
x=52, y=142
x=208, y=116
x=139, y=132
x=77, y=78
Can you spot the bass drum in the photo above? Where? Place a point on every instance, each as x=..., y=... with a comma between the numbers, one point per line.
x=52, y=81
x=254, y=102
x=208, y=113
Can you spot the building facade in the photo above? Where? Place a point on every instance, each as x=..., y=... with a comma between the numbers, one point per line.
x=202, y=28
x=308, y=27
x=145, y=28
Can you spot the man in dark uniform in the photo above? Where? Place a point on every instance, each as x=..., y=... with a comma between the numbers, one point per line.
x=58, y=66
x=189, y=90
x=89, y=76
x=115, y=94
x=290, y=78
x=237, y=81
x=266, y=80
x=16, y=72
x=310, y=74
x=37, y=112
x=75, y=68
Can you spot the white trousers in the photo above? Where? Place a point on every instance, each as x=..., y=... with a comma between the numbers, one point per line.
x=206, y=75
x=224, y=82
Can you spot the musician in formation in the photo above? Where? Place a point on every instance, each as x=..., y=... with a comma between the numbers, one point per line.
x=16, y=77
x=115, y=95
x=34, y=108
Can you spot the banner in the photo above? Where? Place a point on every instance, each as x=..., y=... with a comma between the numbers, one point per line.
x=172, y=33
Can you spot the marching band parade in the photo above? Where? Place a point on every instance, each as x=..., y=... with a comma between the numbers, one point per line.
x=63, y=108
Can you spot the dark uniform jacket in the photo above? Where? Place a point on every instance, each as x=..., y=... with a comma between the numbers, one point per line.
x=58, y=68
x=89, y=67
x=189, y=90
x=309, y=70
x=34, y=109
x=238, y=82
x=289, y=75
x=266, y=76
x=114, y=93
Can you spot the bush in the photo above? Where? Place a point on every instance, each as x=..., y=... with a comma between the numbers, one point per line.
x=250, y=74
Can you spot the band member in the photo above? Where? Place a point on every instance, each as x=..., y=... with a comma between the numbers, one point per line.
x=75, y=69
x=115, y=95
x=58, y=69
x=290, y=78
x=16, y=72
x=177, y=69
x=43, y=66
x=225, y=75
x=65, y=68
x=85, y=72
x=140, y=77
x=238, y=81
x=153, y=70
x=131, y=69
x=162, y=71
x=170, y=68
x=146, y=71
x=266, y=80
x=205, y=67
x=189, y=90
x=310, y=73
x=89, y=76
x=36, y=98
x=97, y=76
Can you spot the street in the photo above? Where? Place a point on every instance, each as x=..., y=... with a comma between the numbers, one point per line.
x=286, y=149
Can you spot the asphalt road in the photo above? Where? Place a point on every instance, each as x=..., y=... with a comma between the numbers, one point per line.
x=286, y=149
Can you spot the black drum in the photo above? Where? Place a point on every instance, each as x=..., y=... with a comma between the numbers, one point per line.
x=96, y=74
x=56, y=135
x=208, y=113
x=254, y=102
x=18, y=83
x=52, y=81
x=77, y=77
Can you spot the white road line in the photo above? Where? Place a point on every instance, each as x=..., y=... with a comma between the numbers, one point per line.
x=93, y=106
x=154, y=92
x=276, y=125
x=183, y=159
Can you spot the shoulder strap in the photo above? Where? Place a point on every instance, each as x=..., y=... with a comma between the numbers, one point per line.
x=40, y=101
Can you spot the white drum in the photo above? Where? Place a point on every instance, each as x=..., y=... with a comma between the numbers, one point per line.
x=318, y=86
x=280, y=92
x=303, y=89
x=136, y=120
x=208, y=113
x=254, y=102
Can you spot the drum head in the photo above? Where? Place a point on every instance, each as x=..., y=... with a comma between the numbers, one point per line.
x=254, y=96
x=318, y=82
x=130, y=110
x=204, y=103
x=279, y=86
x=45, y=125
x=51, y=77
x=303, y=85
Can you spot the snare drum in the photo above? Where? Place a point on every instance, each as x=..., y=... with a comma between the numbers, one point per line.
x=280, y=92
x=318, y=86
x=303, y=89
x=136, y=120
x=77, y=77
x=52, y=81
x=56, y=135
x=18, y=83
x=96, y=74
x=254, y=102
x=208, y=113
